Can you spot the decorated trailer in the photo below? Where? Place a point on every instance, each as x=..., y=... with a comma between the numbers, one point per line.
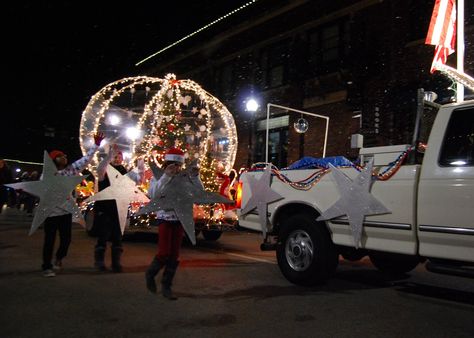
x=143, y=117
x=401, y=205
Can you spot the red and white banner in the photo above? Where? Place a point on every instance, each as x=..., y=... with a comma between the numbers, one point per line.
x=442, y=31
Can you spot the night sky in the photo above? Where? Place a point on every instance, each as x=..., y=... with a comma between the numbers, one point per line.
x=57, y=54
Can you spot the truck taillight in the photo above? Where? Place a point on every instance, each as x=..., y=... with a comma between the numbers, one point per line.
x=238, y=196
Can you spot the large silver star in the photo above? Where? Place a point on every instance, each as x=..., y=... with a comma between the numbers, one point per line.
x=262, y=195
x=355, y=200
x=54, y=191
x=123, y=190
x=179, y=195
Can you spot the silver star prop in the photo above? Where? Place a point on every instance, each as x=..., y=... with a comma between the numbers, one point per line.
x=355, y=200
x=179, y=195
x=262, y=195
x=54, y=191
x=123, y=190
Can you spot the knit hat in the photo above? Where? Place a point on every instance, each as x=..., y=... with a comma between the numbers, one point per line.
x=175, y=155
x=55, y=153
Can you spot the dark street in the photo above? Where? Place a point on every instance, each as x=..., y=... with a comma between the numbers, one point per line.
x=225, y=288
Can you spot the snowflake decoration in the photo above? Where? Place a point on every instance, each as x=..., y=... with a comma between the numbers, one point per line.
x=184, y=100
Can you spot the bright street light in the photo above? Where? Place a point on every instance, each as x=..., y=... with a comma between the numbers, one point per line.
x=252, y=105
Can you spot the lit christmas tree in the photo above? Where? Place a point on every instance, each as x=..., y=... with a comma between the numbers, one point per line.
x=208, y=174
x=168, y=128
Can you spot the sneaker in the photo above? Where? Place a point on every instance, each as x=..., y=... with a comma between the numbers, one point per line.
x=48, y=273
x=58, y=265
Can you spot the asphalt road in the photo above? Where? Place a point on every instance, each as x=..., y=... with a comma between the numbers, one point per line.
x=227, y=288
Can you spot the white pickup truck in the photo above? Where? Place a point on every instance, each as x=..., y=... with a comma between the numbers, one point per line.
x=429, y=197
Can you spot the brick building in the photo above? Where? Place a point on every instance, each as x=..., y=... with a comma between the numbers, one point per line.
x=359, y=62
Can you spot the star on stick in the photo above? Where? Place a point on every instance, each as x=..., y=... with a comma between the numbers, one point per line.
x=123, y=190
x=54, y=191
x=262, y=195
x=179, y=195
x=355, y=200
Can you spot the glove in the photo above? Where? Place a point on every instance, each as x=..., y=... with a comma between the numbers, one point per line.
x=98, y=138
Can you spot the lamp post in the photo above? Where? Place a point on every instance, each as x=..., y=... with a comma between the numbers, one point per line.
x=269, y=105
x=251, y=106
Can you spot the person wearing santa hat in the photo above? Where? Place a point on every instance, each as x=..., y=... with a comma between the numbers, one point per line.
x=170, y=232
x=60, y=220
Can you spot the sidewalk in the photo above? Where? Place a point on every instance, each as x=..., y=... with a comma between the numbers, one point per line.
x=15, y=216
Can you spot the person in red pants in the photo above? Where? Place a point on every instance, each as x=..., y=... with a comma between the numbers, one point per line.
x=170, y=232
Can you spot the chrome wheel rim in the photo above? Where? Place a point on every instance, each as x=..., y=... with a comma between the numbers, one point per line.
x=299, y=250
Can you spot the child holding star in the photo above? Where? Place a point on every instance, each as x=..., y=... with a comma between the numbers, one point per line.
x=60, y=220
x=170, y=232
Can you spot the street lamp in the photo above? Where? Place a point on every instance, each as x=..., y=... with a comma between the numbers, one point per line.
x=252, y=106
x=269, y=105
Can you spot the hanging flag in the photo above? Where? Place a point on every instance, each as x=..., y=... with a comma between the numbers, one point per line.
x=442, y=31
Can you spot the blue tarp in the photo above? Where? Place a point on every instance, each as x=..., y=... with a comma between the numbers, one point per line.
x=308, y=162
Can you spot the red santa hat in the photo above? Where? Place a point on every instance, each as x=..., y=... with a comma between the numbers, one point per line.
x=55, y=153
x=175, y=155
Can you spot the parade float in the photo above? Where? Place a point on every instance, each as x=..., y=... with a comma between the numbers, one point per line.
x=144, y=116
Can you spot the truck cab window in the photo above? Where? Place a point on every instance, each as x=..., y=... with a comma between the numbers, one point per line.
x=458, y=143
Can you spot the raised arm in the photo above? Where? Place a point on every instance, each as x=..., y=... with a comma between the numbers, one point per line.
x=76, y=167
x=157, y=186
x=138, y=174
x=194, y=174
x=102, y=167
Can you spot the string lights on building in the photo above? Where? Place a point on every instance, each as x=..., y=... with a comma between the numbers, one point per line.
x=197, y=31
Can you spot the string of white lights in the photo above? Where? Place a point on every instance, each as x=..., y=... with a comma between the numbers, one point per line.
x=453, y=73
x=197, y=31
x=114, y=111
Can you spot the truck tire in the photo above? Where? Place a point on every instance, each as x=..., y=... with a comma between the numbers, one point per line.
x=305, y=253
x=393, y=263
x=211, y=235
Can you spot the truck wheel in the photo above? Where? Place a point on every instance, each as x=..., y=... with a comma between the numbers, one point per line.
x=211, y=235
x=305, y=253
x=393, y=263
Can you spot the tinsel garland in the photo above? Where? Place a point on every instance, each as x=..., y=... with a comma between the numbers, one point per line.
x=315, y=177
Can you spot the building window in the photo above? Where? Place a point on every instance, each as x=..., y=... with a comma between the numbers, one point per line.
x=328, y=46
x=274, y=63
x=277, y=140
x=458, y=144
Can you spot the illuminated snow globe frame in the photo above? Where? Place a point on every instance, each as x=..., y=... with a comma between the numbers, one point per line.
x=144, y=116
